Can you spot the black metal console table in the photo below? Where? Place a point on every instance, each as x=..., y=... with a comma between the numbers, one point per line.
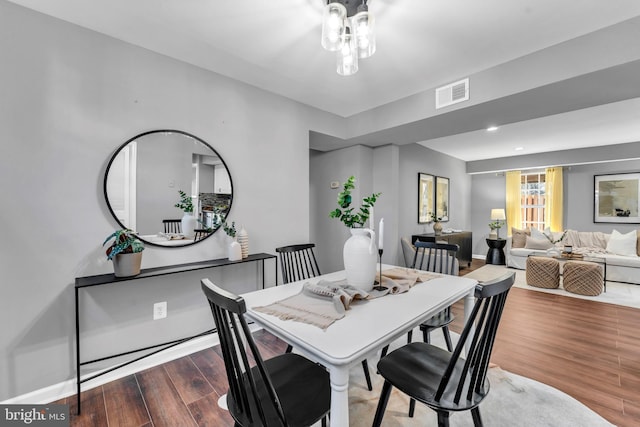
x=105, y=279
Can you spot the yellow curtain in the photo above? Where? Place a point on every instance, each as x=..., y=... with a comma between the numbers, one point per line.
x=513, y=200
x=553, y=213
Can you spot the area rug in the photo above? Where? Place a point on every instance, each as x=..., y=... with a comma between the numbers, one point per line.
x=513, y=401
x=617, y=293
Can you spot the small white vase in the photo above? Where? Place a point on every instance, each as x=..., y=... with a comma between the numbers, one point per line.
x=235, y=251
x=243, y=239
x=360, y=256
x=188, y=224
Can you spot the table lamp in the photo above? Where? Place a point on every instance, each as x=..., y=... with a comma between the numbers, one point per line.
x=498, y=215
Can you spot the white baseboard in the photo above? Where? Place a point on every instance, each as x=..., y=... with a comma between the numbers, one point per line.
x=67, y=388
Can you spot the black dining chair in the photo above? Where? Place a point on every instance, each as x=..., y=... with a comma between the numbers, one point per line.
x=286, y=390
x=444, y=380
x=172, y=225
x=437, y=258
x=299, y=262
x=200, y=233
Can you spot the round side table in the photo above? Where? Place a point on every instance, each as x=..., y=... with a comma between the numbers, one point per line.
x=495, y=255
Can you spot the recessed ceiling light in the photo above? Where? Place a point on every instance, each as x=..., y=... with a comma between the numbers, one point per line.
x=519, y=148
x=492, y=128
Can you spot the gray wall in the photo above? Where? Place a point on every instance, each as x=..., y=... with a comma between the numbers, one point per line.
x=70, y=97
x=393, y=171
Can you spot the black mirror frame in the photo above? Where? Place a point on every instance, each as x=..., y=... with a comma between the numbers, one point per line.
x=121, y=147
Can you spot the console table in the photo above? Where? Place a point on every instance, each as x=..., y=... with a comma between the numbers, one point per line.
x=462, y=238
x=106, y=279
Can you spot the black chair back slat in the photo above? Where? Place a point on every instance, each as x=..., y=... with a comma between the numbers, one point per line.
x=298, y=262
x=172, y=225
x=435, y=257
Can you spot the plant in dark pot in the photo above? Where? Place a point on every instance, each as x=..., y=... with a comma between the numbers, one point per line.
x=125, y=252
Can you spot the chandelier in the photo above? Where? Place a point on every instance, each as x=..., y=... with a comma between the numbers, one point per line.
x=348, y=29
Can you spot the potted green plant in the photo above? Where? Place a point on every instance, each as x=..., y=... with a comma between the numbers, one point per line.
x=359, y=252
x=188, y=221
x=125, y=252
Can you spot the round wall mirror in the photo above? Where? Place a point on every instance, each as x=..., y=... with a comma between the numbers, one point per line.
x=153, y=172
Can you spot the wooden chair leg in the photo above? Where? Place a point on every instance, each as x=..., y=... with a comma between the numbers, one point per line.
x=447, y=337
x=289, y=349
x=365, y=367
x=382, y=404
x=477, y=420
x=443, y=419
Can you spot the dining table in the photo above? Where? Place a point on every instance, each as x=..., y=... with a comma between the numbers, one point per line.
x=367, y=326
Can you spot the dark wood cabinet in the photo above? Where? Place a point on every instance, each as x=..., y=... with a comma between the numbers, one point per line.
x=462, y=239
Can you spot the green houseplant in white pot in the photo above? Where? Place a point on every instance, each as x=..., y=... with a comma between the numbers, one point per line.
x=125, y=252
x=359, y=252
x=188, y=222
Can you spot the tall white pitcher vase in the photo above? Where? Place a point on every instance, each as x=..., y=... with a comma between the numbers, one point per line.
x=188, y=224
x=360, y=257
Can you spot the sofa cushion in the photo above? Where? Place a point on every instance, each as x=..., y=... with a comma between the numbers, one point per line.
x=538, y=244
x=623, y=244
x=519, y=237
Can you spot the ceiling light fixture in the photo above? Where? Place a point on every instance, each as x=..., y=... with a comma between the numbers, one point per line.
x=348, y=29
x=492, y=128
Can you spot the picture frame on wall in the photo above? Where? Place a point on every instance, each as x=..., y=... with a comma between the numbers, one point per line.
x=617, y=198
x=426, y=192
x=442, y=198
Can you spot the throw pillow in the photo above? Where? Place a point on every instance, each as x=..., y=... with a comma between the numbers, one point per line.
x=519, y=237
x=539, y=235
x=623, y=244
x=538, y=244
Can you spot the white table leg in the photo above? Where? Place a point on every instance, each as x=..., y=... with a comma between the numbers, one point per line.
x=339, y=377
x=469, y=301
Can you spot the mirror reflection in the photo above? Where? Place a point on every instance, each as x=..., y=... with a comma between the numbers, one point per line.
x=171, y=187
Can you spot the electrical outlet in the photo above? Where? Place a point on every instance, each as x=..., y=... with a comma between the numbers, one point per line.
x=159, y=310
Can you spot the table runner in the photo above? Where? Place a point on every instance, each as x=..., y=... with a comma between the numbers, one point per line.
x=321, y=304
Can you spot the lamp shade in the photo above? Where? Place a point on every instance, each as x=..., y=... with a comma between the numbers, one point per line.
x=333, y=26
x=363, y=24
x=348, y=55
x=498, y=214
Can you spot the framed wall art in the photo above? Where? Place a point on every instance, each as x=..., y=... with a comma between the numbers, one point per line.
x=442, y=198
x=426, y=191
x=617, y=198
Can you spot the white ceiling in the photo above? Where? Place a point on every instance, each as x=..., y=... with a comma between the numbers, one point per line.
x=421, y=44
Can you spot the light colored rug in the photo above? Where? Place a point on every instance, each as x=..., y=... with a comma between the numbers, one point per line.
x=617, y=293
x=513, y=401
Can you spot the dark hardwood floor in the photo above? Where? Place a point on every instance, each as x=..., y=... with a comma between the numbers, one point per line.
x=589, y=350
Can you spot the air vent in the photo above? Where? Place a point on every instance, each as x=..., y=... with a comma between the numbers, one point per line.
x=452, y=93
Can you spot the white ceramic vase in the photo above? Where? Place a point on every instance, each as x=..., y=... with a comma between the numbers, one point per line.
x=188, y=224
x=235, y=251
x=360, y=257
x=127, y=265
x=243, y=239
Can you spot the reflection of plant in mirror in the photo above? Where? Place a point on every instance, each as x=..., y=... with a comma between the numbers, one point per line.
x=124, y=242
x=186, y=204
x=346, y=214
x=229, y=229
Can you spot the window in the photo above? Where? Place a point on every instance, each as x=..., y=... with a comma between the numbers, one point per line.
x=532, y=199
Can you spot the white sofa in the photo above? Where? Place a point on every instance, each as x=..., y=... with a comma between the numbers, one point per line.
x=619, y=268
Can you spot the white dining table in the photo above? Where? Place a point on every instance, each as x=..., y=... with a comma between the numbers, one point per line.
x=366, y=328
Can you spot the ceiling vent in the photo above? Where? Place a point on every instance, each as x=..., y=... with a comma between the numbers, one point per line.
x=452, y=93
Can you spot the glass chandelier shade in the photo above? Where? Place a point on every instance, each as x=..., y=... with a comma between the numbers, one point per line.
x=363, y=24
x=333, y=26
x=348, y=55
x=349, y=29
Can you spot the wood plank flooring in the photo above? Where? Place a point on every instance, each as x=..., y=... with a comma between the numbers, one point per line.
x=588, y=350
